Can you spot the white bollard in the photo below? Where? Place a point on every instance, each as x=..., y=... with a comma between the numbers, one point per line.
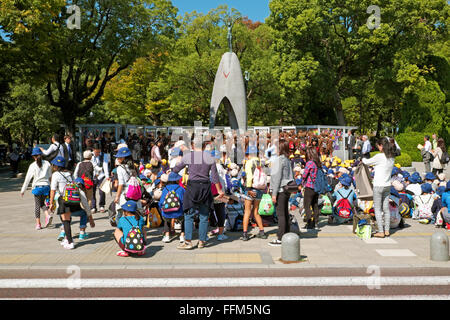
x=439, y=246
x=290, y=247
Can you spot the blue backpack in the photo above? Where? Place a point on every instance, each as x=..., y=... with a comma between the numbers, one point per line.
x=321, y=184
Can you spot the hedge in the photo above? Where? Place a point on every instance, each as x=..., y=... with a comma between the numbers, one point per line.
x=408, y=142
x=404, y=159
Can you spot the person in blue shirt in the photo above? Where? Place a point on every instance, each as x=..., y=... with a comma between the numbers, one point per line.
x=129, y=219
x=172, y=185
x=344, y=192
x=446, y=204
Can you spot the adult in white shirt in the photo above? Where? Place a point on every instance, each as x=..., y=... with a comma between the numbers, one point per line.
x=100, y=161
x=426, y=153
x=56, y=145
x=383, y=163
x=366, y=148
x=40, y=171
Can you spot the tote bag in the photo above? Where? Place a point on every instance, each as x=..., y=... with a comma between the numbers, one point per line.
x=364, y=187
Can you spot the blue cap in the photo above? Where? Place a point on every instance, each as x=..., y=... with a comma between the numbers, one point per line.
x=395, y=171
x=426, y=188
x=345, y=180
x=36, y=152
x=142, y=177
x=395, y=192
x=59, y=161
x=330, y=171
x=415, y=178
x=176, y=152
x=430, y=176
x=405, y=174
x=157, y=181
x=440, y=191
x=251, y=150
x=130, y=206
x=123, y=153
x=174, y=177
x=159, y=174
x=79, y=181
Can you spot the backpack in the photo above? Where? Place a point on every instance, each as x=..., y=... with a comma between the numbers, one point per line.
x=405, y=206
x=424, y=208
x=327, y=207
x=52, y=155
x=134, y=241
x=134, y=191
x=445, y=158
x=88, y=183
x=259, y=178
x=153, y=218
x=234, y=219
x=344, y=208
x=320, y=185
x=71, y=194
x=171, y=201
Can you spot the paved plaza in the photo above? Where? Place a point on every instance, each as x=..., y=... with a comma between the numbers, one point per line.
x=332, y=246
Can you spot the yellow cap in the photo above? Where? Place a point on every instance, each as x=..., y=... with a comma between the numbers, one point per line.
x=398, y=165
x=148, y=166
x=164, y=162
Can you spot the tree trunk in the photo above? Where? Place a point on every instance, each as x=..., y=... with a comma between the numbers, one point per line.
x=379, y=125
x=338, y=110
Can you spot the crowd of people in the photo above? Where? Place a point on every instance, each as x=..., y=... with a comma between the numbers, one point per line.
x=203, y=184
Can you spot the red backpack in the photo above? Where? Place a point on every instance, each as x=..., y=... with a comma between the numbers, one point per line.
x=344, y=208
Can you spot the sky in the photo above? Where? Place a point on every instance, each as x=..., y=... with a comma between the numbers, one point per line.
x=256, y=10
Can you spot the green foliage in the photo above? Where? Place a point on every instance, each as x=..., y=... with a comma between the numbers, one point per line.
x=408, y=142
x=404, y=160
x=23, y=165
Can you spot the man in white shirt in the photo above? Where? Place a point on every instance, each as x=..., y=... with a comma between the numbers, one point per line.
x=55, y=146
x=366, y=148
x=101, y=171
x=426, y=153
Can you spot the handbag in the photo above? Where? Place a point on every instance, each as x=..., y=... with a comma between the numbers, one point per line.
x=266, y=207
x=364, y=187
x=291, y=187
x=106, y=186
x=364, y=232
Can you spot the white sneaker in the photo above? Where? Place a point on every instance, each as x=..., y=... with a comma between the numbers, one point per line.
x=64, y=242
x=166, y=239
x=69, y=246
x=102, y=209
x=93, y=210
x=182, y=239
x=222, y=237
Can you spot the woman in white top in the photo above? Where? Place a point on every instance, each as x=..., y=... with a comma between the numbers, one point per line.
x=40, y=171
x=438, y=167
x=383, y=164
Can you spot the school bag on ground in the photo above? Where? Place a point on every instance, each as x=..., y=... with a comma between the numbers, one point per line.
x=406, y=204
x=234, y=218
x=266, y=207
x=71, y=193
x=424, y=208
x=134, y=241
x=153, y=218
x=364, y=231
x=171, y=201
x=343, y=207
x=327, y=207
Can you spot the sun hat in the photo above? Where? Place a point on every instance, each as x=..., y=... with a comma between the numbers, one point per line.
x=405, y=174
x=415, y=178
x=123, y=153
x=426, y=188
x=79, y=181
x=398, y=185
x=174, y=177
x=440, y=191
x=297, y=169
x=179, y=143
x=121, y=145
x=157, y=181
x=343, y=170
x=395, y=171
x=164, y=177
x=36, y=152
x=430, y=176
x=234, y=173
x=87, y=154
x=130, y=206
x=346, y=180
x=148, y=166
x=59, y=161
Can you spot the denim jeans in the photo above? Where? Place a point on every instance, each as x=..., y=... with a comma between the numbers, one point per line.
x=381, y=207
x=203, y=211
x=83, y=217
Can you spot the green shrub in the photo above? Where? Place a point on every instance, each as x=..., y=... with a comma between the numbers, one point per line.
x=404, y=160
x=24, y=164
x=408, y=142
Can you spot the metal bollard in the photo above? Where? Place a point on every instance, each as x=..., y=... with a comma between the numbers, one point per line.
x=290, y=247
x=439, y=246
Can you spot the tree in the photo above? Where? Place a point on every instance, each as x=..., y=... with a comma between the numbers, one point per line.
x=77, y=64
